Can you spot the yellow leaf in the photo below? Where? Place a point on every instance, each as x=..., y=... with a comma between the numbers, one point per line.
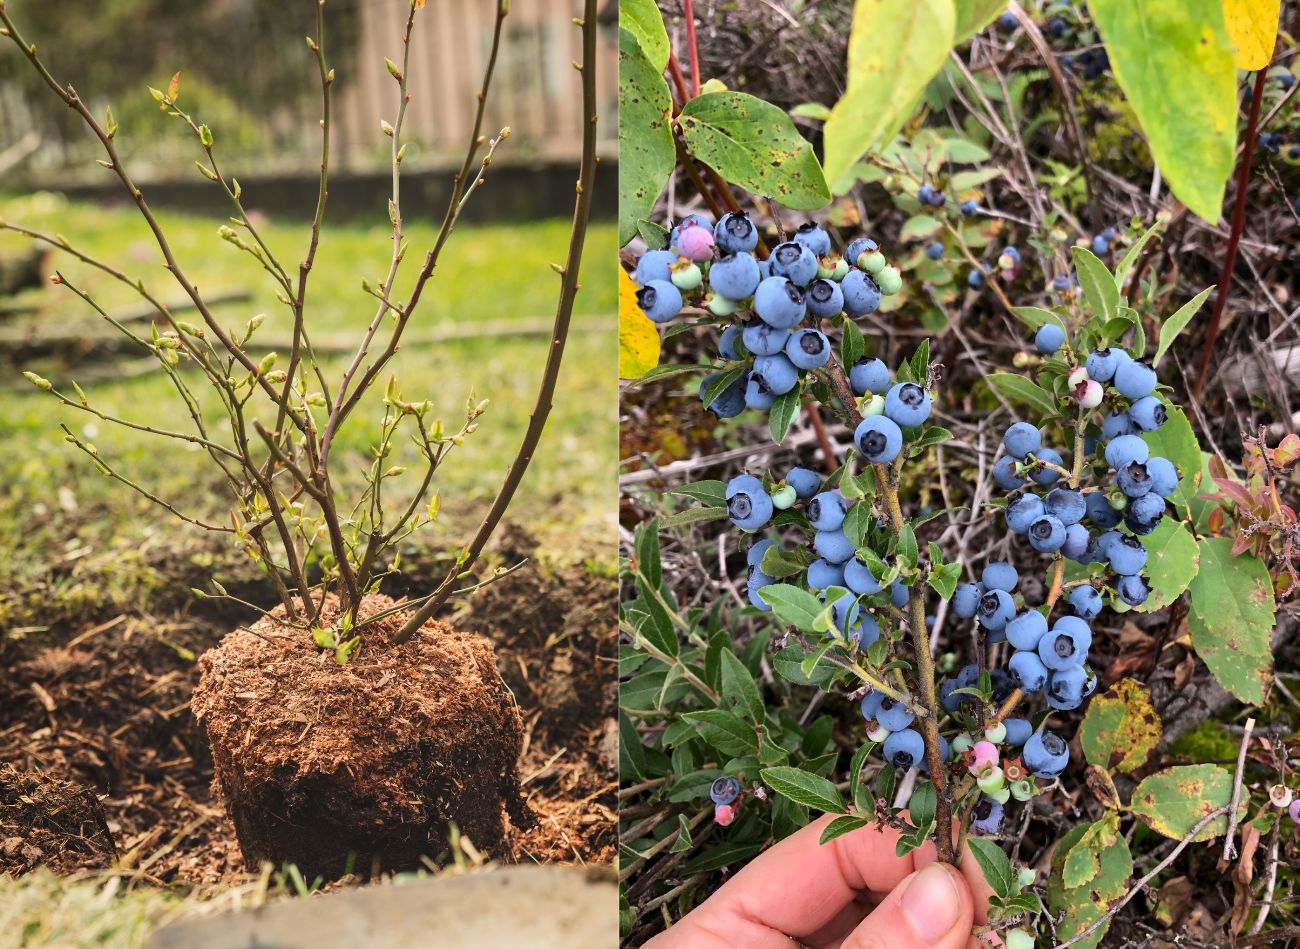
x=1252, y=24
x=638, y=340
x=174, y=87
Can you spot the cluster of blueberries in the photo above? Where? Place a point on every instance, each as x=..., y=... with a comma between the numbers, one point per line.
x=778, y=303
x=1007, y=265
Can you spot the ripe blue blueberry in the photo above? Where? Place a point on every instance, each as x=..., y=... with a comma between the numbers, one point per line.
x=1118, y=424
x=1007, y=22
x=1049, y=338
x=826, y=511
x=859, y=578
x=1148, y=413
x=969, y=207
x=1064, y=689
x=879, y=439
x=986, y=818
x=1046, y=534
x=727, y=343
x=1101, y=365
x=1145, y=513
x=966, y=600
x=861, y=293
x=1135, y=379
x=1062, y=648
x=754, y=556
x=904, y=749
x=823, y=574
x=1028, y=670
x=1086, y=602
x=975, y=278
x=833, y=546
x=1045, y=475
x=1018, y=731
x=725, y=790
x=805, y=482
x=1133, y=479
x=756, y=582
x=824, y=299
x=730, y=402
x=763, y=340
x=870, y=704
x=865, y=631
x=859, y=246
x=757, y=395
x=1046, y=754
x=934, y=250
x=654, y=265
x=779, y=303
x=808, y=348
x=1021, y=438
x=1133, y=590
x=659, y=300
x=899, y=594
x=1004, y=474
x=869, y=374
x=1000, y=575
x=907, y=404
x=794, y=261
x=997, y=607
x=735, y=276
x=1101, y=513
x=1012, y=254
x=814, y=237
x=1066, y=504
x=778, y=372
x=1100, y=245
x=735, y=233
x=1062, y=282
x=925, y=194
x=1126, y=450
x=748, y=504
x=1163, y=474
x=1127, y=555
x=894, y=715
x=1076, y=542
x=1026, y=628
x=1022, y=511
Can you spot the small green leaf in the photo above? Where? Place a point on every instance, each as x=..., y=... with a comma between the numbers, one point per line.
x=324, y=638
x=1176, y=323
x=853, y=346
x=739, y=688
x=782, y=414
x=647, y=552
x=797, y=607
x=1036, y=316
x=1131, y=255
x=1231, y=618
x=708, y=493
x=724, y=731
x=804, y=788
x=997, y=868
x=1017, y=388
x=1099, y=288
x=841, y=826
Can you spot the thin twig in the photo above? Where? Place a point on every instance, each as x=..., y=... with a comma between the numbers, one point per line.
x=1229, y=847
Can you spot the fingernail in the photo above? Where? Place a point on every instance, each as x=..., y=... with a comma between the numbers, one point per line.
x=931, y=902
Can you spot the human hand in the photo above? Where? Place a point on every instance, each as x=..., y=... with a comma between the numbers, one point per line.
x=852, y=893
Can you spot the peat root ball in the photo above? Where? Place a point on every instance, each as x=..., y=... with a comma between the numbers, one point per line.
x=359, y=767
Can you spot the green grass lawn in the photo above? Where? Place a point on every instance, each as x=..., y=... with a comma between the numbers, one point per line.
x=55, y=507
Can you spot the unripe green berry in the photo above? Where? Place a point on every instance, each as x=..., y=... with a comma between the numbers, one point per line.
x=874, y=406
x=991, y=780
x=719, y=305
x=962, y=744
x=1017, y=939
x=872, y=261
x=1023, y=790
x=1027, y=876
x=889, y=280
x=996, y=733
x=1001, y=795
x=784, y=497
x=687, y=276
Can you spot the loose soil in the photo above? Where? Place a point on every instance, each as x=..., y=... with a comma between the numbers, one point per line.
x=107, y=706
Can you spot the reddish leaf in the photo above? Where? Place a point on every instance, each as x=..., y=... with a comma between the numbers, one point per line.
x=1287, y=451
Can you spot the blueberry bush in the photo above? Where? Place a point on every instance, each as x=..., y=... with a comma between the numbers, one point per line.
x=927, y=523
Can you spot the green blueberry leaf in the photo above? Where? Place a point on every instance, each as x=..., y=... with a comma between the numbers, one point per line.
x=1231, y=619
x=1173, y=801
x=647, y=154
x=804, y=788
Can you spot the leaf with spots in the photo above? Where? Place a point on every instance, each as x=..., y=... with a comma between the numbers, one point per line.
x=1173, y=559
x=1173, y=801
x=1083, y=862
x=1231, y=618
x=1080, y=907
x=646, y=154
x=643, y=20
x=1121, y=728
x=754, y=144
x=1252, y=24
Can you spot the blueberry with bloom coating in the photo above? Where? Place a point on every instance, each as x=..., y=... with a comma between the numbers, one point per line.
x=1022, y=511
x=659, y=300
x=966, y=600
x=735, y=276
x=969, y=207
x=1148, y=413
x=861, y=293
x=870, y=704
x=724, y=790
x=1127, y=555
x=1062, y=648
x=1046, y=534
x=824, y=298
x=899, y=593
x=808, y=348
x=879, y=439
x=987, y=816
x=1126, y=450
x=894, y=715
x=1100, y=512
x=1066, y=505
x=757, y=395
x=1004, y=474
x=869, y=374
x=1145, y=513
x=763, y=340
x=1021, y=438
x=934, y=250
x=1102, y=364
x=1049, y=338
x=1135, y=379
x=859, y=578
x=748, y=504
x=690, y=219
x=1028, y=670
x=1133, y=590
x=727, y=343
x=1075, y=545
x=1018, y=730
x=779, y=303
x=756, y=582
x=823, y=574
x=654, y=265
x=778, y=372
x=805, y=482
x=735, y=233
x=1163, y=474
x=975, y=278
x=1086, y=602
x=754, y=556
x=1046, y=754
x=826, y=511
x=904, y=749
x=1026, y=629
x=859, y=246
x=1064, y=689
x=814, y=237
x=1000, y=575
x=795, y=261
x=730, y=402
x=1100, y=245
x=996, y=609
x=907, y=404
x=1117, y=425
x=833, y=546
x=1133, y=480
x=1045, y=475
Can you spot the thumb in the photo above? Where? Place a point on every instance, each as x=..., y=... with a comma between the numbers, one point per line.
x=931, y=909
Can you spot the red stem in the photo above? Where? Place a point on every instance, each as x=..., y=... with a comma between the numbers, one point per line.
x=675, y=72
x=688, y=6
x=1234, y=238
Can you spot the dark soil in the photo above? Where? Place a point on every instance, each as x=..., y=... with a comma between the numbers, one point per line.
x=52, y=823
x=364, y=765
x=105, y=703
